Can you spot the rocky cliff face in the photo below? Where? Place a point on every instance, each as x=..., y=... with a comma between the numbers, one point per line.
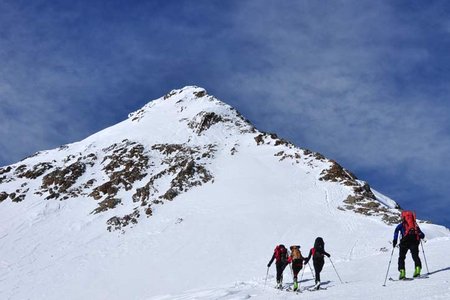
x=161, y=151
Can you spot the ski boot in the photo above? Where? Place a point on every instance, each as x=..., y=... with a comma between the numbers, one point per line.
x=402, y=274
x=295, y=285
x=317, y=286
x=417, y=271
x=279, y=285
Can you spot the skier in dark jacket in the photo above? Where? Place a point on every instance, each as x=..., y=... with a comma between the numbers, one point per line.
x=280, y=255
x=317, y=253
x=409, y=241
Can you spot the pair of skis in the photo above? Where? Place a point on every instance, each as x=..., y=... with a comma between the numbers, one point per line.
x=299, y=290
x=409, y=278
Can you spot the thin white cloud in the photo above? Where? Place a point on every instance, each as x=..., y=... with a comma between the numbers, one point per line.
x=332, y=74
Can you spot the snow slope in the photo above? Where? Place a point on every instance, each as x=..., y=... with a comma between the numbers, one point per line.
x=214, y=239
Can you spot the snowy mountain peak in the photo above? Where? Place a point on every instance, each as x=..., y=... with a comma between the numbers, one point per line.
x=177, y=96
x=196, y=111
x=165, y=149
x=186, y=93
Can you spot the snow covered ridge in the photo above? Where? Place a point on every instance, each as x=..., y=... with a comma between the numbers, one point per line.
x=163, y=150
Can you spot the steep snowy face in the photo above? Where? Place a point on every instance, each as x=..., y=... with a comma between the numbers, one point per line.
x=161, y=151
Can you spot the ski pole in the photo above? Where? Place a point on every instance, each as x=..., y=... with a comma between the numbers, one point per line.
x=301, y=277
x=392, y=253
x=335, y=270
x=265, y=281
x=426, y=264
x=314, y=276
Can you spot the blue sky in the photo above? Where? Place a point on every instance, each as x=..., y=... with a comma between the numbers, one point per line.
x=363, y=82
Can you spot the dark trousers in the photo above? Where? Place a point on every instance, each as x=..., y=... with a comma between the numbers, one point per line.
x=410, y=243
x=296, y=267
x=318, y=266
x=280, y=268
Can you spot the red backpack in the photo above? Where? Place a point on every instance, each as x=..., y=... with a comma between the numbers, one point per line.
x=280, y=253
x=409, y=223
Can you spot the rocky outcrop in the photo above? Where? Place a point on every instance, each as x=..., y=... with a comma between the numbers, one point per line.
x=203, y=121
x=362, y=200
x=336, y=173
x=271, y=139
x=60, y=180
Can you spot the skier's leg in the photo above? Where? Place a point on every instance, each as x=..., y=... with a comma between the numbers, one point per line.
x=415, y=255
x=402, y=256
x=279, y=272
x=318, y=265
x=295, y=269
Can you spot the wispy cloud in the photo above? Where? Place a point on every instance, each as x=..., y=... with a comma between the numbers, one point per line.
x=360, y=83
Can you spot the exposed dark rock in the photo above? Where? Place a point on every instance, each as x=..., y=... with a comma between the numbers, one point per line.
x=279, y=142
x=19, y=198
x=125, y=164
x=184, y=164
x=52, y=195
x=233, y=150
x=170, y=94
x=149, y=211
x=207, y=119
x=37, y=171
x=362, y=204
x=63, y=147
x=5, y=170
x=336, y=173
x=3, y=196
x=295, y=157
x=319, y=156
x=200, y=94
x=259, y=139
x=365, y=190
x=106, y=204
x=20, y=169
x=352, y=199
x=391, y=219
x=168, y=149
x=108, y=188
x=307, y=152
x=63, y=178
x=189, y=176
x=170, y=194
x=117, y=223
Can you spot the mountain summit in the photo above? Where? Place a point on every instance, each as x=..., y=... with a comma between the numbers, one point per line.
x=184, y=193
x=161, y=151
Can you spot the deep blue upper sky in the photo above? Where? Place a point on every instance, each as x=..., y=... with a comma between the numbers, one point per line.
x=363, y=82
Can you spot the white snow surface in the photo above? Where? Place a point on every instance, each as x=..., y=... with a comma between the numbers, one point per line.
x=214, y=241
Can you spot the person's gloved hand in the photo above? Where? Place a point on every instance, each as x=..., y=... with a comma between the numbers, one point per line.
x=394, y=242
x=268, y=265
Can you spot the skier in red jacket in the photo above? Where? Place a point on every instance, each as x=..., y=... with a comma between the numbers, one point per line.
x=280, y=255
